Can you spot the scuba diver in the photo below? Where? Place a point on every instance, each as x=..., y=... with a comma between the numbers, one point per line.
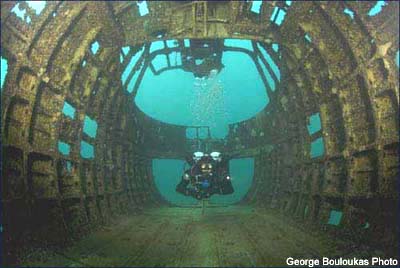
x=208, y=174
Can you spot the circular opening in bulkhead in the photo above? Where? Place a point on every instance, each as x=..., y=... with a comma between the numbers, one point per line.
x=210, y=83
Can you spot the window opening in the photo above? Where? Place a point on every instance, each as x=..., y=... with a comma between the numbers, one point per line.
x=317, y=147
x=87, y=150
x=131, y=64
x=246, y=44
x=95, y=47
x=278, y=16
x=275, y=47
x=172, y=43
x=90, y=127
x=4, y=71
x=64, y=148
x=314, y=124
x=256, y=6
x=156, y=45
x=267, y=75
x=335, y=217
x=68, y=110
x=375, y=10
x=349, y=12
x=143, y=9
x=308, y=38
x=270, y=62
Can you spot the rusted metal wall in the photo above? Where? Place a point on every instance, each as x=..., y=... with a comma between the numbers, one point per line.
x=347, y=74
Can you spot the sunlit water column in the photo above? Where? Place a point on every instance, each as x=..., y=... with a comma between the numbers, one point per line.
x=208, y=105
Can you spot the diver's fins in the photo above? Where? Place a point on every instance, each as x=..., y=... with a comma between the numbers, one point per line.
x=181, y=187
x=226, y=187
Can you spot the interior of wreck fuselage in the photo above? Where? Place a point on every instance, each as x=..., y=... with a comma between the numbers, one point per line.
x=102, y=102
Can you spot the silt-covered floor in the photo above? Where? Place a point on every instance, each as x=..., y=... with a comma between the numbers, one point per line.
x=210, y=236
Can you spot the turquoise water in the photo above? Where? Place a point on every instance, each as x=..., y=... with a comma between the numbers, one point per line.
x=308, y=38
x=68, y=110
x=271, y=63
x=233, y=95
x=349, y=12
x=90, y=127
x=242, y=173
x=143, y=9
x=237, y=93
x=314, y=124
x=37, y=6
x=167, y=174
x=94, y=47
x=375, y=10
x=256, y=6
x=4, y=70
x=64, y=148
x=87, y=150
x=278, y=16
x=335, y=217
x=317, y=147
